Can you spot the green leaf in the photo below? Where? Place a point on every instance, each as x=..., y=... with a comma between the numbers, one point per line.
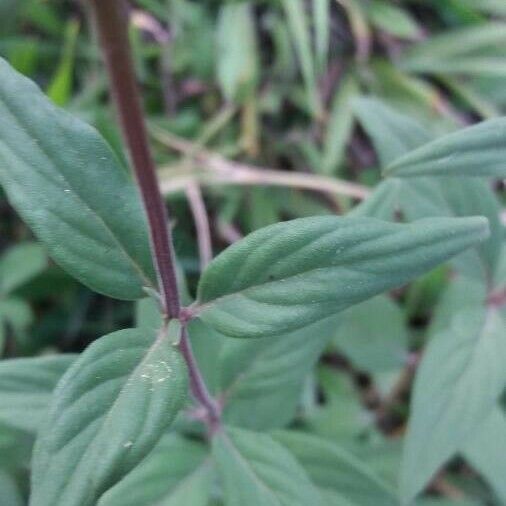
x=176, y=473
x=392, y=133
x=333, y=468
x=66, y=183
x=9, y=490
x=60, y=88
x=457, y=385
x=107, y=413
x=262, y=379
x=301, y=39
x=392, y=20
x=17, y=314
x=255, y=470
x=478, y=150
x=485, y=450
x=237, y=65
x=26, y=385
x=422, y=197
x=373, y=335
x=321, y=14
x=441, y=50
x=342, y=417
x=291, y=274
x=340, y=126
x=19, y=265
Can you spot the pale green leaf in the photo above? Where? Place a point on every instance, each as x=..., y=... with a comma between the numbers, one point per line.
x=342, y=417
x=237, y=65
x=333, y=468
x=373, y=335
x=299, y=31
x=393, y=20
x=393, y=135
x=177, y=472
x=262, y=379
x=291, y=274
x=107, y=413
x=66, y=183
x=255, y=470
x=19, y=265
x=26, y=385
x=10, y=492
x=478, y=150
x=60, y=88
x=449, y=45
x=485, y=450
x=458, y=384
x=322, y=22
x=339, y=127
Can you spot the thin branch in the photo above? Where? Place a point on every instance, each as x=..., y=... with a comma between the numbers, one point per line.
x=198, y=209
x=198, y=385
x=218, y=170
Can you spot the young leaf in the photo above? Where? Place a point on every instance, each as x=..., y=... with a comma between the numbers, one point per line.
x=176, y=473
x=108, y=411
x=478, y=150
x=458, y=384
x=334, y=469
x=291, y=274
x=19, y=265
x=66, y=183
x=255, y=470
x=26, y=385
x=262, y=379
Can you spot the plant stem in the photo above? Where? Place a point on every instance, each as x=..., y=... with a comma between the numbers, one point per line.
x=112, y=26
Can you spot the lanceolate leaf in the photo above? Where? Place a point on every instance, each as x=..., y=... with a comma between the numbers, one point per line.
x=262, y=379
x=291, y=274
x=255, y=470
x=66, y=183
x=478, y=150
x=457, y=386
x=177, y=472
x=485, y=450
x=26, y=385
x=393, y=135
x=108, y=411
x=334, y=469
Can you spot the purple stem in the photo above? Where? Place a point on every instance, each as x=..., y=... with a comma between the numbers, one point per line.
x=111, y=20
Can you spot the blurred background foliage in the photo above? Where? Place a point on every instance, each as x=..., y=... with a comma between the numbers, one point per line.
x=262, y=111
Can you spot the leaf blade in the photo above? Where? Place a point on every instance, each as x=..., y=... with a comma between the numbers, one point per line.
x=291, y=274
x=475, y=151
x=257, y=470
x=92, y=436
x=68, y=186
x=458, y=383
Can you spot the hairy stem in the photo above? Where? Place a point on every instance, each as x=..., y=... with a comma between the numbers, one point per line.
x=112, y=27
